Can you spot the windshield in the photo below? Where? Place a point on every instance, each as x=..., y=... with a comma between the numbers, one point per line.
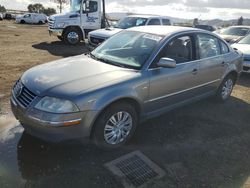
x=239, y=31
x=245, y=40
x=127, y=49
x=131, y=22
x=75, y=5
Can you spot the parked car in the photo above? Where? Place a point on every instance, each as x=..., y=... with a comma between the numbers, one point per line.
x=137, y=74
x=8, y=16
x=1, y=16
x=244, y=46
x=205, y=27
x=234, y=33
x=98, y=36
x=32, y=18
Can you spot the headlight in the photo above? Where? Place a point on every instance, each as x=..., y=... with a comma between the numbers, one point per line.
x=60, y=25
x=55, y=105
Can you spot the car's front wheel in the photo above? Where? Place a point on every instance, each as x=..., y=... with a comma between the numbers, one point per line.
x=225, y=89
x=72, y=36
x=115, y=126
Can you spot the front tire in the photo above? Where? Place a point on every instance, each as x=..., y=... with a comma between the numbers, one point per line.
x=72, y=36
x=225, y=89
x=22, y=22
x=115, y=126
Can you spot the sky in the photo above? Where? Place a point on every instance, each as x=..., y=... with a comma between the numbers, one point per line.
x=189, y=9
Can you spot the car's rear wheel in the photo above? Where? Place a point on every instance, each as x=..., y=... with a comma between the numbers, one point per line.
x=225, y=89
x=22, y=22
x=115, y=126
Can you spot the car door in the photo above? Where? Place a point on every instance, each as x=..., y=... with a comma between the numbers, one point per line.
x=91, y=17
x=173, y=86
x=211, y=62
x=27, y=18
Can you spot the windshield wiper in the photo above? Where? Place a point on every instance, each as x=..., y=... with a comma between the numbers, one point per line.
x=111, y=62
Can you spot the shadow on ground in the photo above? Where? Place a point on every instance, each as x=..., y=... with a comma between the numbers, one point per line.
x=58, y=48
x=208, y=143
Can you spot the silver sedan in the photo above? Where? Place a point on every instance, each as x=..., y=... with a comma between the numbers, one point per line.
x=135, y=75
x=244, y=46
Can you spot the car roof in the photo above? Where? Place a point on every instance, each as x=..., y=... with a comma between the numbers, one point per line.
x=162, y=30
x=147, y=16
x=241, y=26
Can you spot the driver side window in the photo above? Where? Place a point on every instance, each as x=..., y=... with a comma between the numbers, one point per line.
x=179, y=49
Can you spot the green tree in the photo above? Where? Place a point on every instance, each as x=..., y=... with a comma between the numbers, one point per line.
x=61, y=3
x=49, y=11
x=36, y=8
x=2, y=9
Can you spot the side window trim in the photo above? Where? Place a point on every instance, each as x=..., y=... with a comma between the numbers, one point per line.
x=228, y=50
x=193, y=49
x=198, y=48
x=153, y=19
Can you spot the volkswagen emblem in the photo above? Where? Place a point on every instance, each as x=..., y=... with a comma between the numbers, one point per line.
x=18, y=89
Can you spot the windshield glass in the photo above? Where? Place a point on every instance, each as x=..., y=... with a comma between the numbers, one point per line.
x=128, y=49
x=245, y=40
x=75, y=5
x=239, y=31
x=131, y=22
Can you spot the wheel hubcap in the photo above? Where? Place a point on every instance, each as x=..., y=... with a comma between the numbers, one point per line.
x=73, y=37
x=118, y=128
x=227, y=89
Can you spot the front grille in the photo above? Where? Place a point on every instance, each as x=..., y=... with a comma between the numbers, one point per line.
x=96, y=41
x=51, y=23
x=246, y=68
x=23, y=95
x=246, y=58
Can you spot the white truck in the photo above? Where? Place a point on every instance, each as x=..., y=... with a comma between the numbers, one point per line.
x=98, y=36
x=85, y=16
x=32, y=18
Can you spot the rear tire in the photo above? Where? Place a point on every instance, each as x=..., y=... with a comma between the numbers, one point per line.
x=225, y=89
x=22, y=22
x=115, y=126
x=40, y=22
x=72, y=36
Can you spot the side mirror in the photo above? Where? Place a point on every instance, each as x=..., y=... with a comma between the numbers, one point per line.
x=166, y=63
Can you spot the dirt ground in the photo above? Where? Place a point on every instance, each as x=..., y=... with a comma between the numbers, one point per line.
x=25, y=46
x=205, y=144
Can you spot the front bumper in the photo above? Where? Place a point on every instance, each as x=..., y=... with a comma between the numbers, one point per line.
x=56, y=32
x=246, y=66
x=50, y=127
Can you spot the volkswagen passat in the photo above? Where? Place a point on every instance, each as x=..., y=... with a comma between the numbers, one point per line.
x=135, y=75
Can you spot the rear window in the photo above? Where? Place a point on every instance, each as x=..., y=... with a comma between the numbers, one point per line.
x=166, y=22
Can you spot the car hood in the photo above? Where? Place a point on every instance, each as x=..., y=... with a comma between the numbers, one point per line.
x=244, y=48
x=71, y=76
x=230, y=38
x=105, y=33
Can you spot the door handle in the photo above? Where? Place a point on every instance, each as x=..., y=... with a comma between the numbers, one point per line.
x=195, y=71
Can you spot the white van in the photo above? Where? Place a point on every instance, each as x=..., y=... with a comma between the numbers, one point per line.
x=32, y=18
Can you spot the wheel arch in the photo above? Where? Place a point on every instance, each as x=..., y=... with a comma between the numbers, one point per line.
x=75, y=27
x=130, y=100
x=233, y=73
